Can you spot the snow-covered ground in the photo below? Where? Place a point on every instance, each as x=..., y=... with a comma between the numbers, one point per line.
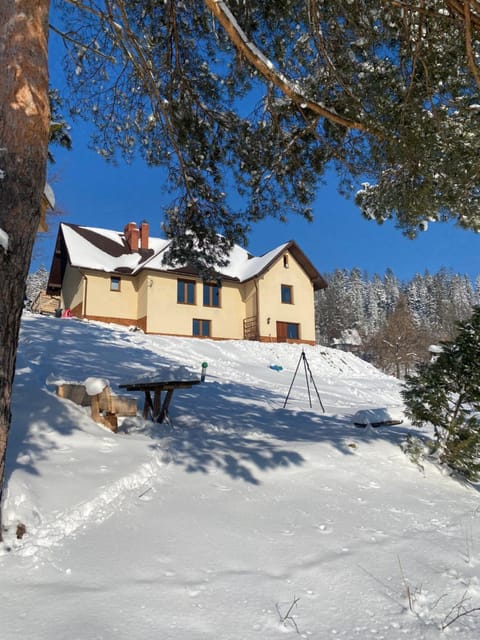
x=241, y=519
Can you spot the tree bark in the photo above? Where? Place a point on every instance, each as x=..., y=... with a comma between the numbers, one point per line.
x=24, y=131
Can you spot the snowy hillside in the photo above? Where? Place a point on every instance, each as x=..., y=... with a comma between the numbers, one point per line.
x=241, y=519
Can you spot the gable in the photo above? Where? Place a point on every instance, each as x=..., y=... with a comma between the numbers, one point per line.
x=269, y=260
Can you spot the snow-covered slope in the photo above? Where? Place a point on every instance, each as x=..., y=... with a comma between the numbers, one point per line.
x=243, y=518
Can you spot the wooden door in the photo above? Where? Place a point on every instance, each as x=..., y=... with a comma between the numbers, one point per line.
x=281, y=331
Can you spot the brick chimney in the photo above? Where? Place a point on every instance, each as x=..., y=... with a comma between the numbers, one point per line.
x=144, y=233
x=132, y=235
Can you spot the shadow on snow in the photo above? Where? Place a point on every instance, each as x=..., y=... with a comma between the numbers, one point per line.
x=229, y=426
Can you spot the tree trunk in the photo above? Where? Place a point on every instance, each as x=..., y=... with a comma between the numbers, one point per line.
x=24, y=130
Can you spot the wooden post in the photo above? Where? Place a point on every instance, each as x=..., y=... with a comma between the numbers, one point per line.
x=148, y=406
x=156, y=404
x=96, y=408
x=110, y=419
x=166, y=404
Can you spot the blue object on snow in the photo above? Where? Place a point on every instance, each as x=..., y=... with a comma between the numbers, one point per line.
x=276, y=367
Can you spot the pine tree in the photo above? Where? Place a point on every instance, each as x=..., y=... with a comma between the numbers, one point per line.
x=446, y=394
x=392, y=291
x=416, y=297
x=24, y=132
x=36, y=282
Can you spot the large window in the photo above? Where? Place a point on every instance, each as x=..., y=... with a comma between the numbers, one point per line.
x=293, y=332
x=186, y=291
x=288, y=331
x=211, y=295
x=287, y=294
x=201, y=328
x=115, y=283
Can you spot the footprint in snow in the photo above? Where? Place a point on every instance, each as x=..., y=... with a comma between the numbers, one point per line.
x=370, y=485
x=105, y=449
x=222, y=487
x=107, y=446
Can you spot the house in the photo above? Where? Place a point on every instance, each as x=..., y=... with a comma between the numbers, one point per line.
x=117, y=277
x=349, y=340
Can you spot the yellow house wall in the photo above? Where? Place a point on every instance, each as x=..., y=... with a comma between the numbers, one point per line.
x=249, y=294
x=72, y=289
x=150, y=300
x=143, y=284
x=104, y=303
x=167, y=316
x=270, y=301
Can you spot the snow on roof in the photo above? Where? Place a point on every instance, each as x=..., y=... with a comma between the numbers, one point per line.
x=349, y=337
x=107, y=250
x=241, y=266
x=244, y=266
x=87, y=254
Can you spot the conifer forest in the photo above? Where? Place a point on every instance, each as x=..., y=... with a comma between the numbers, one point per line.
x=389, y=322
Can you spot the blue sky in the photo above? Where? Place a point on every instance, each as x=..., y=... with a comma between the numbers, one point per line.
x=92, y=192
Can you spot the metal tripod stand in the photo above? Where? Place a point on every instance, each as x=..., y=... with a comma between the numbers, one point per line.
x=308, y=375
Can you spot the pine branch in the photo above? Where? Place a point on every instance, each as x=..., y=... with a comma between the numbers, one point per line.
x=266, y=68
x=82, y=45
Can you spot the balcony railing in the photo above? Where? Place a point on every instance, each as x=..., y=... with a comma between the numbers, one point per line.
x=250, y=328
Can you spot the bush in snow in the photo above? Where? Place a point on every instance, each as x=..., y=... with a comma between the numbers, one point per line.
x=446, y=394
x=415, y=449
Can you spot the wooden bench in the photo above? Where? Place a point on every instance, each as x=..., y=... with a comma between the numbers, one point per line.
x=105, y=406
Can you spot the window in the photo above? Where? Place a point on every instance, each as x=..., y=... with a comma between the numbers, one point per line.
x=211, y=295
x=293, y=332
x=288, y=331
x=287, y=294
x=201, y=328
x=285, y=261
x=186, y=291
x=115, y=283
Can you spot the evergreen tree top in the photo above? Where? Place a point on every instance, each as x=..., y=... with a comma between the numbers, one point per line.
x=258, y=99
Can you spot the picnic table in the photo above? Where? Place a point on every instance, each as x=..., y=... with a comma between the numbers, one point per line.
x=158, y=408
